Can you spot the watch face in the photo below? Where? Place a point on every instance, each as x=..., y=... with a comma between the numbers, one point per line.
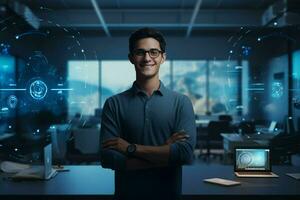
x=131, y=148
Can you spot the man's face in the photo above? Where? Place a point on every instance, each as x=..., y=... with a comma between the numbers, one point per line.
x=147, y=63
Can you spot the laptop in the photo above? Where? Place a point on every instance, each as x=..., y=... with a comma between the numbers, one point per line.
x=42, y=172
x=271, y=129
x=49, y=172
x=253, y=162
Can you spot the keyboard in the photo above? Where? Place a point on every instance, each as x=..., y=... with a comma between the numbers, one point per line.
x=255, y=174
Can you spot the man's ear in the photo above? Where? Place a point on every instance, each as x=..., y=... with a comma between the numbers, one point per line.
x=130, y=58
x=164, y=57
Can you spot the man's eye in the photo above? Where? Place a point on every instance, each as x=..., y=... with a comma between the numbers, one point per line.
x=140, y=52
x=154, y=52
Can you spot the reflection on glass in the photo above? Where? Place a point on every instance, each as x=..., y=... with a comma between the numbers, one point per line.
x=223, y=86
x=190, y=79
x=83, y=79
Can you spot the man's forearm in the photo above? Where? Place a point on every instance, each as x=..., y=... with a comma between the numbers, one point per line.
x=158, y=155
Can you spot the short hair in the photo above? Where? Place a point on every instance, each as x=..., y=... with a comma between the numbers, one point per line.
x=146, y=33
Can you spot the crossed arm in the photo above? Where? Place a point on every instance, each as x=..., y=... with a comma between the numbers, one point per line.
x=145, y=156
x=177, y=150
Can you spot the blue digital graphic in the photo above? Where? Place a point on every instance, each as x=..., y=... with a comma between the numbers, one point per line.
x=277, y=89
x=246, y=50
x=37, y=61
x=38, y=89
x=4, y=49
x=12, y=101
x=245, y=159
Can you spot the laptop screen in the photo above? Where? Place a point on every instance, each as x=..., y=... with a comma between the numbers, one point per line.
x=272, y=126
x=252, y=159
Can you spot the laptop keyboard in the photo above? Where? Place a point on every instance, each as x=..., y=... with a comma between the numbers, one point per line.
x=255, y=173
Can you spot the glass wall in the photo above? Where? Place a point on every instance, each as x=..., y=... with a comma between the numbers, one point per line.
x=83, y=81
x=211, y=85
x=118, y=76
x=190, y=79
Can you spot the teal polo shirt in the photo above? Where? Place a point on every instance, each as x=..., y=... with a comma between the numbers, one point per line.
x=148, y=120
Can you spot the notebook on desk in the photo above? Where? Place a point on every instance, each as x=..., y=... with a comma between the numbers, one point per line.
x=253, y=162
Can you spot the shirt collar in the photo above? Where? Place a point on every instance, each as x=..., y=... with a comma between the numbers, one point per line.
x=136, y=90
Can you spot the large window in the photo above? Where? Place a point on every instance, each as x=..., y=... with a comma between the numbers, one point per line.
x=83, y=82
x=190, y=79
x=223, y=87
x=212, y=85
x=118, y=76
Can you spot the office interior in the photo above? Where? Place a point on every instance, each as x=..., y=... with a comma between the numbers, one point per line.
x=237, y=61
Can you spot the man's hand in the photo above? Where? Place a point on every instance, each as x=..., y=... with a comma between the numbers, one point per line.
x=118, y=144
x=179, y=136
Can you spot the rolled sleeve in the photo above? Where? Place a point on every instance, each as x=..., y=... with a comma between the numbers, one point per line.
x=110, y=128
x=183, y=152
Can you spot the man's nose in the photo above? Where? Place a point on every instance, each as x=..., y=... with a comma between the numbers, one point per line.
x=147, y=56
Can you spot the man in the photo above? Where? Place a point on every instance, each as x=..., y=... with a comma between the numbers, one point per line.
x=147, y=132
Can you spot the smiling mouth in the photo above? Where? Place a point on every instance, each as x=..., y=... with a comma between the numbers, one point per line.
x=147, y=66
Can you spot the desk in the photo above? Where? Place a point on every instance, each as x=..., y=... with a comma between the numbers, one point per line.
x=88, y=182
x=270, y=188
x=80, y=180
x=232, y=140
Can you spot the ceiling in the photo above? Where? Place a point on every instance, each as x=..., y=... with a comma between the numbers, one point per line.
x=153, y=4
x=183, y=17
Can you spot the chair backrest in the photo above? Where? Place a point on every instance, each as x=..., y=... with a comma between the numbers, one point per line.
x=247, y=127
x=225, y=118
x=215, y=128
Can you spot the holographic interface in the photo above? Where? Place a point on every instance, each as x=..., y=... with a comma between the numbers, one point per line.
x=34, y=88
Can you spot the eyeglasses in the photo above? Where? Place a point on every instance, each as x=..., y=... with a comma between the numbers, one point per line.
x=153, y=53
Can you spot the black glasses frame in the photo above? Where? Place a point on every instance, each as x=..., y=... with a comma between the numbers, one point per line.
x=142, y=52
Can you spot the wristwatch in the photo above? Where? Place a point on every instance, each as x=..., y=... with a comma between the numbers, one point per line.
x=131, y=149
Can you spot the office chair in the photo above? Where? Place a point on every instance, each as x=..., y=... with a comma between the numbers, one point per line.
x=283, y=146
x=214, y=138
x=84, y=145
x=225, y=118
x=247, y=127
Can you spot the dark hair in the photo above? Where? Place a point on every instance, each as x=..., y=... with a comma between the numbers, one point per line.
x=146, y=33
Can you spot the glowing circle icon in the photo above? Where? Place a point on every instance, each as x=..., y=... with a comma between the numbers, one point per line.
x=38, y=90
x=12, y=101
x=245, y=159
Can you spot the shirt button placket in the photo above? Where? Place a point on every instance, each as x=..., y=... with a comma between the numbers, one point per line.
x=147, y=113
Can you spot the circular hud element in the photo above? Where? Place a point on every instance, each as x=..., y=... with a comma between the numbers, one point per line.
x=38, y=89
x=245, y=159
